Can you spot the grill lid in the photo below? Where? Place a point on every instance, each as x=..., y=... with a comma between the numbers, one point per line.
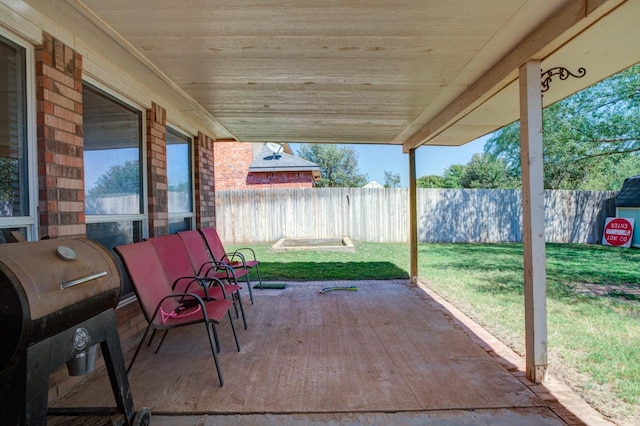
x=58, y=273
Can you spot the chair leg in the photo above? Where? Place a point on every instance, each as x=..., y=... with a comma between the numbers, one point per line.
x=213, y=351
x=161, y=340
x=153, y=334
x=259, y=278
x=215, y=336
x=246, y=277
x=135, y=355
x=244, y=319
x=235, y=307
x=233, y=328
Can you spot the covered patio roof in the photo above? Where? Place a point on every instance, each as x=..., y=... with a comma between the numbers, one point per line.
x=409, y=72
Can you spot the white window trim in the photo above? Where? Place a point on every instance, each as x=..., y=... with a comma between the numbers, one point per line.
x=30, y=222
x=105, y=218
x=187, y=215
x=144, y=216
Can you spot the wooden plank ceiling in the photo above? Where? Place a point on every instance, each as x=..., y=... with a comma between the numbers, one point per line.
x=408, y=72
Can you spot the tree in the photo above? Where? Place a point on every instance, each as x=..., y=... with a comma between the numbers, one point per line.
x=8, y=177
x=486, y=171
x=430, y=181
x=8, y=184
x=391, y=180
x=586, y=138
x=338, y=164
x=612, y=171
x=453, y=176
x=118, y=180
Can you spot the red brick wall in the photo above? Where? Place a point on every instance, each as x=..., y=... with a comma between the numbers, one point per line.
x=280, y=180
x=60, y=142
x=157, y=171
x=232, y=161
x=205, y=207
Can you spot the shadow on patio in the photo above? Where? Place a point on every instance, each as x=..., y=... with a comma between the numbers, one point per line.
x=388, y=353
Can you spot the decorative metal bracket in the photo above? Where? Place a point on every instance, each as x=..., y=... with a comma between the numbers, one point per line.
x=563, y=73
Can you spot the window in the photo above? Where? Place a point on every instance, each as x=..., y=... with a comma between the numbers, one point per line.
x=15, y=185
x=112, y=152
x=179, y=172
x=113, y=171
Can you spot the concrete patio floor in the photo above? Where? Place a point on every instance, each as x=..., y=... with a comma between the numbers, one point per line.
x=388, y=353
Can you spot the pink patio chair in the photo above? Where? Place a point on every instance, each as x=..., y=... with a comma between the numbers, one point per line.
x=177, y=265
x=164, y=309
x=236, y=259
x=205, y=265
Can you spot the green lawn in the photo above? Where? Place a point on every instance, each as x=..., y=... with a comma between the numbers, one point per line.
x=593, y=317
x=594, y=341
x=369, y=261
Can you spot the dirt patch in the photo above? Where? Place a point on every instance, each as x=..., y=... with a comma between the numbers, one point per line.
x=626, y=291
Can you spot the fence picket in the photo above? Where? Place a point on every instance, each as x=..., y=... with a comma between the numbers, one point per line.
x=382, y=215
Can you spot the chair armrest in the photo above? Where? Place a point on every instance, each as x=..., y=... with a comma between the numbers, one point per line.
x=231, y=256
x=253, y=253
x=205, y=267
x=179, y=296
x=222, y=267
x=192, y=278
x=205, y=282
x=214, y=281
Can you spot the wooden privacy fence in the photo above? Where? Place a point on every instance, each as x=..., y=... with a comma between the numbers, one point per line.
x=382, y=215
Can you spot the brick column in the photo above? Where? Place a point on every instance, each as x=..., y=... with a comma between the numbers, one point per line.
x=157, y=171
x=204, y=182
x=60, y=142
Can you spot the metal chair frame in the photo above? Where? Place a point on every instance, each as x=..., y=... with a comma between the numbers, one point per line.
x=145, y=268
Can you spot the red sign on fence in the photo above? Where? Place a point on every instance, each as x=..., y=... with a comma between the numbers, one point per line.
x=618, y=232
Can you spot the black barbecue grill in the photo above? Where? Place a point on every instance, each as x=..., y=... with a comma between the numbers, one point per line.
x=57, y=300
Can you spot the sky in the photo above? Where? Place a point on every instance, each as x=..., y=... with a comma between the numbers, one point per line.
x=373, y=160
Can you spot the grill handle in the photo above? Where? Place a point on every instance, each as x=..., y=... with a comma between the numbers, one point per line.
x=66, y=284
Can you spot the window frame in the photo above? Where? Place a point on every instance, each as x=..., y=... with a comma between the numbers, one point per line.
x=28, y=222
x=190, y=216
x=143, y=216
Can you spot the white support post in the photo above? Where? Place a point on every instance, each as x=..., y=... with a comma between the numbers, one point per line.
x=535, y=291
x=413, y=217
